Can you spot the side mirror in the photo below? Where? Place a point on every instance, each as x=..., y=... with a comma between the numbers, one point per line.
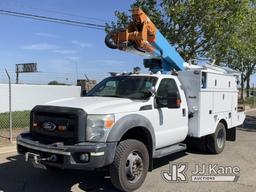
x=171, y=101
x=153, y=90
x=150, y=92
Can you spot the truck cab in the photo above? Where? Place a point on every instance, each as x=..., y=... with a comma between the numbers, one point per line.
x=157, y=98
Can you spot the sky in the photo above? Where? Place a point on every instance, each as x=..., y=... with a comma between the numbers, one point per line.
x=62, y=52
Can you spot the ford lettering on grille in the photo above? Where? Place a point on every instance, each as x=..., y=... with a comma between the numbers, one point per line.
x=49, y=126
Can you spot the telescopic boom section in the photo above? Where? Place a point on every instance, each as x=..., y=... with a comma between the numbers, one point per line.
x=143, y=38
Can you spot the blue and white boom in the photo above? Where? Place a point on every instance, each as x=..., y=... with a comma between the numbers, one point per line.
x=142, y=37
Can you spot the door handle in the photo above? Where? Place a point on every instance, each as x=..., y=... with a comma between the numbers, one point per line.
x=184, y=112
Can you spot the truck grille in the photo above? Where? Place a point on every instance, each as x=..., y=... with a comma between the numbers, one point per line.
x=46, y=122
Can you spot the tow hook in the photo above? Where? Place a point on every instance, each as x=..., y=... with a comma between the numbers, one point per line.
x=32, y=156
x=52, y=158
x=37, y=159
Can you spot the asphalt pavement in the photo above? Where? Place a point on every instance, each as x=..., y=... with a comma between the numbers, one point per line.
x=18, y=176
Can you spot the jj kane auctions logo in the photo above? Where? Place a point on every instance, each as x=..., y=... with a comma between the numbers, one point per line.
x=201, y=173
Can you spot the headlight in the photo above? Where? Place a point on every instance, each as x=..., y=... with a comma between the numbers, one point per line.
x=98, y=127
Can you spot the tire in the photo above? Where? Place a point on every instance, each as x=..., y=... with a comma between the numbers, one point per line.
x=129, y=152
x=216, y=141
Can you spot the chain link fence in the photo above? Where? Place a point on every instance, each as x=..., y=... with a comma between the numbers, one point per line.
x=250, y=101
x=20, y=123
x=20, y=119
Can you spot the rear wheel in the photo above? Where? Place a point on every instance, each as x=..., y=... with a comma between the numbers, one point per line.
x=130, y=166
x=216, y=141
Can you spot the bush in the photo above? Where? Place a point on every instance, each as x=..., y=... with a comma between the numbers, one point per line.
x=20, y=119
x=251, y=101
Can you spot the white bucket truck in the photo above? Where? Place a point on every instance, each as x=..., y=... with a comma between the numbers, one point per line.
x=127, y=120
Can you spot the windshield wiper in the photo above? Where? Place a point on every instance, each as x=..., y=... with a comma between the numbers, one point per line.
x=139, y=98
x=111, y=96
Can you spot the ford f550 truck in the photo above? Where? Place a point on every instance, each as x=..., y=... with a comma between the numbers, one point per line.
x=127, y=120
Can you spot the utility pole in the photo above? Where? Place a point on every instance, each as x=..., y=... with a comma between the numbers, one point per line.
x=17, y=74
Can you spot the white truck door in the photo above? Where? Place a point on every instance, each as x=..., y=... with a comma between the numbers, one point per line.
x=172, y=122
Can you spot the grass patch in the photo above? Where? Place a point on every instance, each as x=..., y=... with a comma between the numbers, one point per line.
x=20, y=119
x=251, y=101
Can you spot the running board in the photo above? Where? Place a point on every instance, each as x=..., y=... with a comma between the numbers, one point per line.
x=169, y=150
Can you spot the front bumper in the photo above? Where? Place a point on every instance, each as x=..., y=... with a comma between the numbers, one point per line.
x=67, y=156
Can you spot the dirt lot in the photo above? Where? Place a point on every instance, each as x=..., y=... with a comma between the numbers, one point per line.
x=16, y=175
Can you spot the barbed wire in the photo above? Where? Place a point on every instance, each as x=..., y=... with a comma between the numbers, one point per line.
x=46, y=77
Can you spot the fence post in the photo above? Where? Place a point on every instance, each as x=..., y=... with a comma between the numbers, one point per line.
x=254, y=95
x=10, y=106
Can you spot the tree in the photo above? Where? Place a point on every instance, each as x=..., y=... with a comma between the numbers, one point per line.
x=241, y=53
x=56, y=83
x=219, y=30
x=193, y=26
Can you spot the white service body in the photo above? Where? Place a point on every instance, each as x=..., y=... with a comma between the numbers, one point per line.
x=211, y=97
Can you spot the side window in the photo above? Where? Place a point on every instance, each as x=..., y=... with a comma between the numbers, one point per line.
x=167, y=87
x=204, y=80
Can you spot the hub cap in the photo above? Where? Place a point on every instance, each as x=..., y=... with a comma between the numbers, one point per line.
x=220, y=138
x=134, y=167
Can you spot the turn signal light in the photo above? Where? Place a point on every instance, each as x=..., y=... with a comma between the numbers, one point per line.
x=109, y=123
x=62, y=127
x=34, y=125
x=178, y=102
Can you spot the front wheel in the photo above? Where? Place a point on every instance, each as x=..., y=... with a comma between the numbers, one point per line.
x=216, y=141
x=130, y=166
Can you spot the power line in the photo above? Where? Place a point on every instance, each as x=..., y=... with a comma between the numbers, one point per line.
x=62, y=13
x=65, y=13
x=53, y=19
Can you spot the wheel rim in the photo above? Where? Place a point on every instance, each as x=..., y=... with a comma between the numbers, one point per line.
x=220, y=138
x=134, y=167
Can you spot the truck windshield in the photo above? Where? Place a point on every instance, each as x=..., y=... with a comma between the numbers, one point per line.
x=132, y=87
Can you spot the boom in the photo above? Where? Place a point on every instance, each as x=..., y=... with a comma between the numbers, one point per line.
x=143, y=38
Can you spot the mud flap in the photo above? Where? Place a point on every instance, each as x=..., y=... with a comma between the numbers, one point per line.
x=231, y=134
